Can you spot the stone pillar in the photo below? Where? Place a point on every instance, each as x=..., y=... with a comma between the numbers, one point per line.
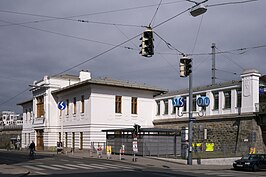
x=250, y=90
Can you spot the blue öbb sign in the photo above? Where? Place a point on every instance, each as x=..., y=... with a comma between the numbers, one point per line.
x=178, y=101
x=203, y=101
x=62, y=105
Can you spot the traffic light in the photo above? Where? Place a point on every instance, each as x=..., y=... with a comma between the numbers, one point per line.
x=185, y=66
x=188, y=66
x=147, y=47
x=182, y=67
x=136, y=129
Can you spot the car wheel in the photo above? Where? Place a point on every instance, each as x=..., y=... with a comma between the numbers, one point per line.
x=255, y=168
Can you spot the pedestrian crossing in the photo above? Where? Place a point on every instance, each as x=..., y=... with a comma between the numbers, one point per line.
x=44, y=169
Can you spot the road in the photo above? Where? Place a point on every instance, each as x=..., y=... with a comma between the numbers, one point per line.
x=64, y=166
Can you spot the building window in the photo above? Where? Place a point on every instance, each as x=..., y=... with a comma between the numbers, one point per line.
x=194, y=103
x=59, y=136
x=158, y=107
x=239, y=97
x=118, y=104
x=82, y=104
x=185, y=104
x=26, y=113
x=174, y=109
x=67, y=107
x=216, y=100
x=66, y=139
x=30, y=113
x=165, y=106
x=134, y=105
x=81, y=140
x=40, y=106
x=227, y=99
x=74, y=105
x=73, y=140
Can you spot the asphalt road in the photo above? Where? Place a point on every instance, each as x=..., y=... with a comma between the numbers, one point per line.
x=64, y=166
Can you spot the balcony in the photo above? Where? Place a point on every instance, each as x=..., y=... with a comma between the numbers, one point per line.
x=39, y=121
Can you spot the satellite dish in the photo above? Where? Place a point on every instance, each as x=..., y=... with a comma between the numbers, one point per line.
x=198, y=10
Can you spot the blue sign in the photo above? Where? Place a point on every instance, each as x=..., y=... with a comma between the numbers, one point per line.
x=61, y=105
x=203, y=101
x=178, y=101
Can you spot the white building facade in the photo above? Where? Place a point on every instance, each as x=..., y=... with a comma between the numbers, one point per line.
x=9, y=118
x=91, y=106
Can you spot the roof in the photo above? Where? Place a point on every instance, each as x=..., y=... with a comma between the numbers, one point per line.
x=25, y=102
x=111, y=82
x=201, y=88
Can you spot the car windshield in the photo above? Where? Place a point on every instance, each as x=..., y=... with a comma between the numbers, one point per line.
x=250, y=157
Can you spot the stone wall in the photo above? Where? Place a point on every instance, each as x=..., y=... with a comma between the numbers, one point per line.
x=8, y=132
x=231, y=134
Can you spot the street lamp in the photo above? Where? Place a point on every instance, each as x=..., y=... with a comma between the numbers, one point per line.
x=198, y=9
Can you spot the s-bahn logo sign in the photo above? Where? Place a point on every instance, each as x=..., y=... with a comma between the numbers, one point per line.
x=178, y=101
x=203, y=101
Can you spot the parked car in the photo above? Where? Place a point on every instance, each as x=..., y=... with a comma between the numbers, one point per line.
x=252, y=162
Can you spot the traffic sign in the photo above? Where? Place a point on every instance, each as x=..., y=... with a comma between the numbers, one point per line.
x=61, y=105
x=135, y=146
x=178, y=101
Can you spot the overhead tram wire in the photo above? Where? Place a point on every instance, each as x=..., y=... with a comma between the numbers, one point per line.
x=155, y=13
x=70, y=18
x=169, y=45
x=231, y=3
x=228, y=58
x=69, y=36
x=98, y=55
x=20, y=93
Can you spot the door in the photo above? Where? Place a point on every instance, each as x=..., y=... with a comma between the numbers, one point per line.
x=39, y=138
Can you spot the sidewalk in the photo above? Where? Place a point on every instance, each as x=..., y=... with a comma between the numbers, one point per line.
x=147, y=161
x=12, y=171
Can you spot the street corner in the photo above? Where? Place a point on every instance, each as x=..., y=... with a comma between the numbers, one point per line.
x=12, y=171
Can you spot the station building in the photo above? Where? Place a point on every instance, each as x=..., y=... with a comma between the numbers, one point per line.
x=235, y=120
x=92, y=105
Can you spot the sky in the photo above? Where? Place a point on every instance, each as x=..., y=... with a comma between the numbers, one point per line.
x=48, y=37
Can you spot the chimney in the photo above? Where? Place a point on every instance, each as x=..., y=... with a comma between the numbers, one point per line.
x=84, y=75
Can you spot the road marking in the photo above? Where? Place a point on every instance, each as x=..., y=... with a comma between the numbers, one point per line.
x=63, y=166
x=49, y=167
x=40, y=173
x=78, y=166
x=32, y=167
x=92, y=166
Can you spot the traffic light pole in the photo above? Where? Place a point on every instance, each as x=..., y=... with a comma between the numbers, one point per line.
x=190, y=124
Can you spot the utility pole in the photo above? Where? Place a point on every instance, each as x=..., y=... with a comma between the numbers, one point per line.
x=213, y=64
x=190, y=124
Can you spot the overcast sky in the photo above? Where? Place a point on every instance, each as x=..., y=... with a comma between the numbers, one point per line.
x=47, y=37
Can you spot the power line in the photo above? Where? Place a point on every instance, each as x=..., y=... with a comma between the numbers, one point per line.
x=169, y=45
x=231, y=3
x=69, y=36
x=98, y=55
x=195, y=42
x=230, y=59
x=171, y=18
x=155, y=13
x=20, y=93
x=70, y=18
